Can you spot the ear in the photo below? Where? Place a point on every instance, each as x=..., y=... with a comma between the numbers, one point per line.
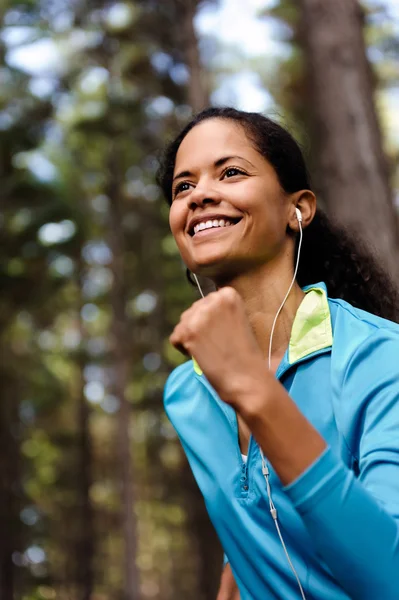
x=305, y=200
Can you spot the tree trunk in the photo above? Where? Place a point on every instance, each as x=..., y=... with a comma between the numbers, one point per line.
x=121, y=353
x=198, y=97
x=204, y=538
x=85, y=543
x=352, y=171
x=9, y=478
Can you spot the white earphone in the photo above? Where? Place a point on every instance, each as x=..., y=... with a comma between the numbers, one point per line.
x=265, y=469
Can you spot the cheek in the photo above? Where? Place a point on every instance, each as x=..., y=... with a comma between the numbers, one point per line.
x=267, y=211
x=176, y=219
x=177, y=224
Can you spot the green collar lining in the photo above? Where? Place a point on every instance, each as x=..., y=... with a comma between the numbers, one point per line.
x=197, y=368
x=311, y=330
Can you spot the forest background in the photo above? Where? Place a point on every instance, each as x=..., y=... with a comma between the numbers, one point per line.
x=96, y=499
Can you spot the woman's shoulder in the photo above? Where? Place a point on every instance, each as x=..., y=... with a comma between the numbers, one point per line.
x=345, y=315
x=360, y=337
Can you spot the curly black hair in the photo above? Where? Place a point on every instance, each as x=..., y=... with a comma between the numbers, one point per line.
x=329, y=252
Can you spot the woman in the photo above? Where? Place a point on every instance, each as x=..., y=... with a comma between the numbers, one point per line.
x=282, y=370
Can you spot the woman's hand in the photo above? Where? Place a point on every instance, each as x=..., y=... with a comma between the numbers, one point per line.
x=216, y=332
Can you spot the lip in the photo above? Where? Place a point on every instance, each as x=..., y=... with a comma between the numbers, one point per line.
x=209, y=217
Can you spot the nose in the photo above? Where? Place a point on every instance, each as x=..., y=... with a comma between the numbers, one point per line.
x=202, y=195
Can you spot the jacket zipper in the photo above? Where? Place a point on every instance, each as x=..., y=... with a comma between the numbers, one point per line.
x=283, y=368
x=244, y=481
x=244, y=476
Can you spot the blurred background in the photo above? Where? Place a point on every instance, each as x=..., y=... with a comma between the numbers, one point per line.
x=96, y=499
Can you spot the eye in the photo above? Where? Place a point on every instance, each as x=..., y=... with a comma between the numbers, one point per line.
x=183, y=186
x=232, y=171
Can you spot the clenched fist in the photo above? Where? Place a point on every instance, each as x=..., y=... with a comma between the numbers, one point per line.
x=216, y=332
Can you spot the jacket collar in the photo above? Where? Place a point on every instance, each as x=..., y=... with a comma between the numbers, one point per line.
x=311, y=331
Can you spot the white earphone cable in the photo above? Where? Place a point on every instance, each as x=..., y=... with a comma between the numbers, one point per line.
x=198, y=285
x=287, y=294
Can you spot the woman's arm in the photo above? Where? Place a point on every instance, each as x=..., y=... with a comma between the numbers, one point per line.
x=353, y=521
x=287, y=438
x=228, y=589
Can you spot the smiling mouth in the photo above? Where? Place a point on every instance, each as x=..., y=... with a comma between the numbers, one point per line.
x=213, y=224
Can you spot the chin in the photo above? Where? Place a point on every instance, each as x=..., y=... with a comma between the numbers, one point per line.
x=207, y=261
x=218, y=268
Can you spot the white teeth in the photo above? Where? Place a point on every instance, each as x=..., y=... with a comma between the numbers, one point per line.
x=209, y=224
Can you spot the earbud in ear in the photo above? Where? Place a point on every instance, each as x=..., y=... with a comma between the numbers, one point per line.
x=298, y=215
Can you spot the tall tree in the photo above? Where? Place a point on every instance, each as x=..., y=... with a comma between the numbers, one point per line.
x=352, y=174
x=86, y=535
x=197, y=92
x=121, y=350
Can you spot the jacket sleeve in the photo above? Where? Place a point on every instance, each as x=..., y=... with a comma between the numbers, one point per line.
x=354, y=520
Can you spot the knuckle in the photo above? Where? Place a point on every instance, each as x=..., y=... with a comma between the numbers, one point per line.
x=211, y=296
x=174, y=337
x=187, y=318
x=191, y=330
x=185, y=329
x=186, y=314
x=229, y=295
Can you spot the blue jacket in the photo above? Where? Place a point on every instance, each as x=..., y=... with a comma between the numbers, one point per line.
x=340, y=518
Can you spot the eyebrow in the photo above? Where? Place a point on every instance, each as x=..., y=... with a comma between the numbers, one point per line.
x=218, y=163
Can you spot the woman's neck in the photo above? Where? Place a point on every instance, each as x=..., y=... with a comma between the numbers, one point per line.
x=263, y=290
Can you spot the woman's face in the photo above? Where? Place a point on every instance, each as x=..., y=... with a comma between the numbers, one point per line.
x=229, y=213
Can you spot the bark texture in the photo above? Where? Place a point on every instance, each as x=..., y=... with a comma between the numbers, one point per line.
x=198, y=97
x=9, y=520
x=352, y=173
x=121, y=350
x=86, y=536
